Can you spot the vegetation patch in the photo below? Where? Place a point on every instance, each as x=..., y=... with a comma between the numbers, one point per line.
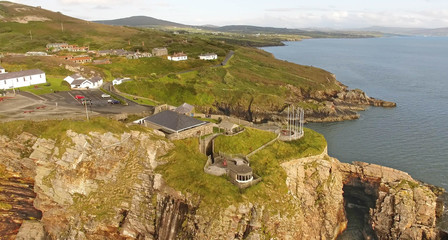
x=5, y=206
x=53, y=84
x=312, y=143
x=184, y=171
x=243, y=143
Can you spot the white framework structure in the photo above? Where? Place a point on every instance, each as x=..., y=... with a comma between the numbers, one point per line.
x=294, y=126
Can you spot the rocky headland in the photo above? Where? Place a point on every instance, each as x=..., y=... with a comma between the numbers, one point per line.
x=105, y=186
x=319, y=106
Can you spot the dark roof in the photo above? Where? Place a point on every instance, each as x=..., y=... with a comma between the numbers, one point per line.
x=78, y=81
x=76, y=76
x=208, y=54
x=20, y=74
x=239, y=169
x=184, y=108
x=96, y=79
x=174, y=121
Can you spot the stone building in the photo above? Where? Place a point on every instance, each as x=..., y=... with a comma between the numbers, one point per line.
x=177, y=126
x=159, y=52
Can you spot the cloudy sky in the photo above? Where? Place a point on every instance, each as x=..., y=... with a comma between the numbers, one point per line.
x=280, y=13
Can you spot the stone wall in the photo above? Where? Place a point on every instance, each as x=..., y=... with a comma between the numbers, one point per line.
x=194, y=132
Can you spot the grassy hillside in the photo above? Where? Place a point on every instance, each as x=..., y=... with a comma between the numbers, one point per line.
x=251, y=75
x=24, y=28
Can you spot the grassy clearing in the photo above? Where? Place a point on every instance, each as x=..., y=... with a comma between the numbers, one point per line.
x=311, y=144
x=185, y=172
x=243, y=143
x=54, y=83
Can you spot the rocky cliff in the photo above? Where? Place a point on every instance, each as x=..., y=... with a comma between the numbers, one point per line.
x=104, y=186
x=319, y=106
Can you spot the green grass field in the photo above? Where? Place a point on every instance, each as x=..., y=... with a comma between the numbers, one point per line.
x=243, y=143
x=53, y=84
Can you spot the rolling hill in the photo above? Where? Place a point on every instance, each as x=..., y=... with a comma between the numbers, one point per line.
x=253, y=85
x=141, y=21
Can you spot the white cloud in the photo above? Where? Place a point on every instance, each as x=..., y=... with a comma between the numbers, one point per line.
x=93, y=1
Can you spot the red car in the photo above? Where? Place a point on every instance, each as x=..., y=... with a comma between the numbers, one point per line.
x=79, y=97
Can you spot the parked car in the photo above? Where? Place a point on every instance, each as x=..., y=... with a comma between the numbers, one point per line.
x=104, y=95
x=113, y=101
x=86, y=102
x=79, y=97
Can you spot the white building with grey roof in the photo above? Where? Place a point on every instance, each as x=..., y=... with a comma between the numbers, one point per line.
x=21, y=79
x=78, y=81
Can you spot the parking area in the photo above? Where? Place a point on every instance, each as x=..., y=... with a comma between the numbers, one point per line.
x=97, y=102
x=61, y=105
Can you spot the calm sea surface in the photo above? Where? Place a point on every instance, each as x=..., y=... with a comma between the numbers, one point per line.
x=411, y=71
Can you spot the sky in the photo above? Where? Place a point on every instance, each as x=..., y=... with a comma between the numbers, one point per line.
x=336, y=14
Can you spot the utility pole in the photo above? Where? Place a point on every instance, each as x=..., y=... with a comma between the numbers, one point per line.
x=31, y=35
x=87, y=113
x=62, y=26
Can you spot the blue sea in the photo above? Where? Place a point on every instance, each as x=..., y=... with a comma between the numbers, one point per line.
x=411, y=71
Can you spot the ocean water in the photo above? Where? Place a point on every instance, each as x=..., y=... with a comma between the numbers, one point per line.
x=411, y=71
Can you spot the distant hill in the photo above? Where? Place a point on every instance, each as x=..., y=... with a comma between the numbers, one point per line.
x=140, y=21
x=25, y=28
x=308, y=33
x=409, y=31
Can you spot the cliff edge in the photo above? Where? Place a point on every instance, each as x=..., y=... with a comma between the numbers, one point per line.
x=106, y=185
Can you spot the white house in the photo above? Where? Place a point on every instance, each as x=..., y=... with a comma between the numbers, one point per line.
x=78, y=81
x=178, y=57
x=119, y=81
x=21, y=79
x=208, y=56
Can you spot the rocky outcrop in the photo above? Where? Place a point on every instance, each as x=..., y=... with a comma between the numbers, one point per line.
x=320, y=106
x=104, y=186
x=402, y=207
x=16, y=184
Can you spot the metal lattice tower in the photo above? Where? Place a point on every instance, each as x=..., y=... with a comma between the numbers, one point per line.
x=295, y=121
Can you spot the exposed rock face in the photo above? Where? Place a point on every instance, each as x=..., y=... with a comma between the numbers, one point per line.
x=321, y=106
x=404, y=208
x=103, y=186
x=16, y=185
x=317, y=185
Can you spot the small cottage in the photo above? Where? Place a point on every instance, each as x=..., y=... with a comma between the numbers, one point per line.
x=185, y=109
x=119, y=81
x=229, y=127
x=208, y=56
x=178, y=57
x=78, y=81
